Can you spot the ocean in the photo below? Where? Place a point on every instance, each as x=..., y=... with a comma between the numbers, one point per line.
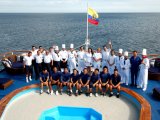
x=129, y=31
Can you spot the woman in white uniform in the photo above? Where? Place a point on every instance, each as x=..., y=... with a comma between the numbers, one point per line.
x=88, y=57
x=143, y=74
x=80, y=57
x=111, y=62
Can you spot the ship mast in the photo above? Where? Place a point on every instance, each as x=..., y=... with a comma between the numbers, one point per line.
x=87, y=41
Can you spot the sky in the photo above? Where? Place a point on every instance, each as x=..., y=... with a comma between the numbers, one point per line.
x=74, y=6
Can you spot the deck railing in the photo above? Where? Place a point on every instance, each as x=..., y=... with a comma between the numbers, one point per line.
x=145, y=111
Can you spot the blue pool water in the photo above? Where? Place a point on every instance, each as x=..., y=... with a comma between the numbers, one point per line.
x=70, y=113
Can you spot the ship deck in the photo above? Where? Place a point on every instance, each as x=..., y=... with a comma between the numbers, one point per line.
x=19, y=81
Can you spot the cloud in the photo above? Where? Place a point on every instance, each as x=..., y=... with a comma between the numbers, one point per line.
x=79, y=5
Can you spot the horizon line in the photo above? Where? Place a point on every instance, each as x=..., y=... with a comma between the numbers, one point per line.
x=70, y=12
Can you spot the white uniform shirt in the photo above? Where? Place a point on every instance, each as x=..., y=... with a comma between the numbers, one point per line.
x=97, y=56
x=111, y=59
x=34, y=52
x=119, y=60
x=28, y=60
x=80, y=55
x=56, y=56
x=38, y=58
x=127, y=64
x=146, y=64
x=63, y=55
x=47, y=58
x=88, y=57
x=105, y=54
x=72, y=55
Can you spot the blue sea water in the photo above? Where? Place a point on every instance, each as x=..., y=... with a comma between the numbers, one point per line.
x=129, y=31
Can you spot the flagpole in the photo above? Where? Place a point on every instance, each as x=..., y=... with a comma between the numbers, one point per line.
x=87, y=38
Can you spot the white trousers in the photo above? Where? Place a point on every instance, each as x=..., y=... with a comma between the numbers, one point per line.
x=97, y=65
x=111, y=69
x=81, y=65
x=125, y=76
x=72, y=65
x=143, y=78
x=104, y=63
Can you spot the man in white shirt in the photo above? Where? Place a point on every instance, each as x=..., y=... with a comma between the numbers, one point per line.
x=38, y=59
x=111, y=62
x=34, y=52
x=42, y=50
x=118, y=61
x=72, y=58
x=80, y=56
x=48, y=61
x=56, y=58
x=51, y=51
x=105, y=56
x=64, y=57
x=97, y=57
x=27, y=62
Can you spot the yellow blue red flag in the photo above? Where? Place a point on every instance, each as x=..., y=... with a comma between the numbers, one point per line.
x=93, y=16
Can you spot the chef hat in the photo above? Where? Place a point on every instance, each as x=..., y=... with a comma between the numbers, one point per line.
x=125, y=53
x=120, y=51
x=63, y=46
x=56, y=48
x=144, y=52
x=71, y=45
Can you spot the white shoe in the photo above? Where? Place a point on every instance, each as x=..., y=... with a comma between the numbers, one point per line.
x=30, y=78
x=144, y=89
x=27, y=80
x=51, y=92
x=57, y=93
x=90, y=94
x=96, y=94
x=41, y=91
x=48, y=91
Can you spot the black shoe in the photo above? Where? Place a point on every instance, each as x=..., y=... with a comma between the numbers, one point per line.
x=87, y=94
x=79, y=92
x=132, y=85
x=117, y=95
x=76, y=94
x=110, y=95
x=60, y=92
x=70, y=93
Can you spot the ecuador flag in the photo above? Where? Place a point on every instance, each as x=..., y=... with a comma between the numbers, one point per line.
x=93, y=16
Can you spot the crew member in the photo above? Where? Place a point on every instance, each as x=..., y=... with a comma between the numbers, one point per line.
x=94, y=82
x=104, y=81
x=64, y=57
x=80, y=56
x=125, y=66
x=72, y=55
x=135, y=61
x=143, y=74
x=55, y=77
x=44, y=78
x=27, y=62
x=115, y=83
x=97, y=57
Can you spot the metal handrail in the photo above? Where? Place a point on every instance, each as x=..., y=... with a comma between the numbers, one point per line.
x=14, y=52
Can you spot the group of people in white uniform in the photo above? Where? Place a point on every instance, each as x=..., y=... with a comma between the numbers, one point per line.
x=134, y=69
